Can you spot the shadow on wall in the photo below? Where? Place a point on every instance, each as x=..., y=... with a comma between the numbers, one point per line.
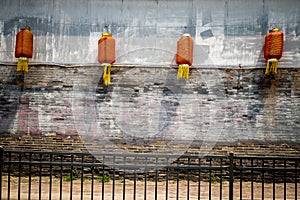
x=10, y=99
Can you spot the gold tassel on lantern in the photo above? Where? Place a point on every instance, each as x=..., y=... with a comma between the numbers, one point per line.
x=183, y=71
x=22, y=64
x=106, y=74
x=272, y=65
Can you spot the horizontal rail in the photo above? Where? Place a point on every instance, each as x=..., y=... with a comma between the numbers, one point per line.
x=122, y=166
x=267, y=169
x=140, y=155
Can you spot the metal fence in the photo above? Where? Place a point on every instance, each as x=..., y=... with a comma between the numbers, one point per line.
x=55, y=175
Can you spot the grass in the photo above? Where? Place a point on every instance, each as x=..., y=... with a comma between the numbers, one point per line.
x=104, y=178
x=71, y=176
x=212, y=177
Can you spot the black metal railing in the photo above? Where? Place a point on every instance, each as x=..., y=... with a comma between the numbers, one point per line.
x=56, y=175
x=277, y=177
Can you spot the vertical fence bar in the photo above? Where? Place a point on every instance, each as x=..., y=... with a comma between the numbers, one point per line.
x=145, y=177
x=40, y=177
x=188, y=183
x=82, y=179
x=273, y=176
x=177, y=180
x=252, y=186
x=156, y=178
x=210, y=180
x=61, y=177
x=1, y=169
x=8, y=175
x=262, y=179
x=19, y=176
x=92, y=184
x=221, y=177
x=134, y=180
x=199, y=179
x=114, y=178
x=241, y=179
x=124, y=185
x=102, y=180
x=71, y=175
x=50, y=182
x=103, y=175
x=167, y=179
x=296, y=176
x=284, y=180
x=231, y=179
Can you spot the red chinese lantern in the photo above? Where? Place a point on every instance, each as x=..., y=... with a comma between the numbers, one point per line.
x=106, y=54
x=184, y=55
x=273, y=50
x=24, y=48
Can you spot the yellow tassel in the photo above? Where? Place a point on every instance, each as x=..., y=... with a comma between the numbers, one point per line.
x=272, y=65
x=186, y=71
x=106, y=74
x=22, y=64
x=180, y=71
x=183, y=71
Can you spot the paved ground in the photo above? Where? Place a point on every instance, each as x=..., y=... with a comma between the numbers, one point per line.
x=140, y=190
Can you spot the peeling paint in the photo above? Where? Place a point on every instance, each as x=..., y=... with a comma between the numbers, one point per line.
x=233, y=31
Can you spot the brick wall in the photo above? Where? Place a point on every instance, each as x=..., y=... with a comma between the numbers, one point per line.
x=149, y=106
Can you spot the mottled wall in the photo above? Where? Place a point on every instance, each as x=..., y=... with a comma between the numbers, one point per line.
x=219, y=105
x=226, y=32
x=63, y=93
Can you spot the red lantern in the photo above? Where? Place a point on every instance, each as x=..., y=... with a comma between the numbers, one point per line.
x=106, y=54
x=273, y=49
x=273, y=44
x=106, y=49
x=185, y=47
x=184, y=55
x=24, y=48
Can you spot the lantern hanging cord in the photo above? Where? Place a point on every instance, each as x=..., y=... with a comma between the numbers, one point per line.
x=22, y=64
x=272, y=65
x=106, y=74
x=183, y=71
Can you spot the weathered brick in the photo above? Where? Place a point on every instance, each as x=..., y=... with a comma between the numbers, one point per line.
x=214, y=106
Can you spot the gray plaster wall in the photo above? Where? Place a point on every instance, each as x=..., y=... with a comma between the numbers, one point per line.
x=226, y=32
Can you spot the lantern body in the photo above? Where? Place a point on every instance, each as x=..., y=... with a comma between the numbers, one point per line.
x=106, y=49
x=185, y=47
x=273, y=45
x=24, y=44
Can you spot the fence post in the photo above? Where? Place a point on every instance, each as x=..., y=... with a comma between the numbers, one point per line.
x=1, y=168
x=231, y=179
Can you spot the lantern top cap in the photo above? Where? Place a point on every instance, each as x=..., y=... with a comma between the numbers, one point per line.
x=275, y=30
x=187, y=35
x=27, y=28
x=106, y=34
